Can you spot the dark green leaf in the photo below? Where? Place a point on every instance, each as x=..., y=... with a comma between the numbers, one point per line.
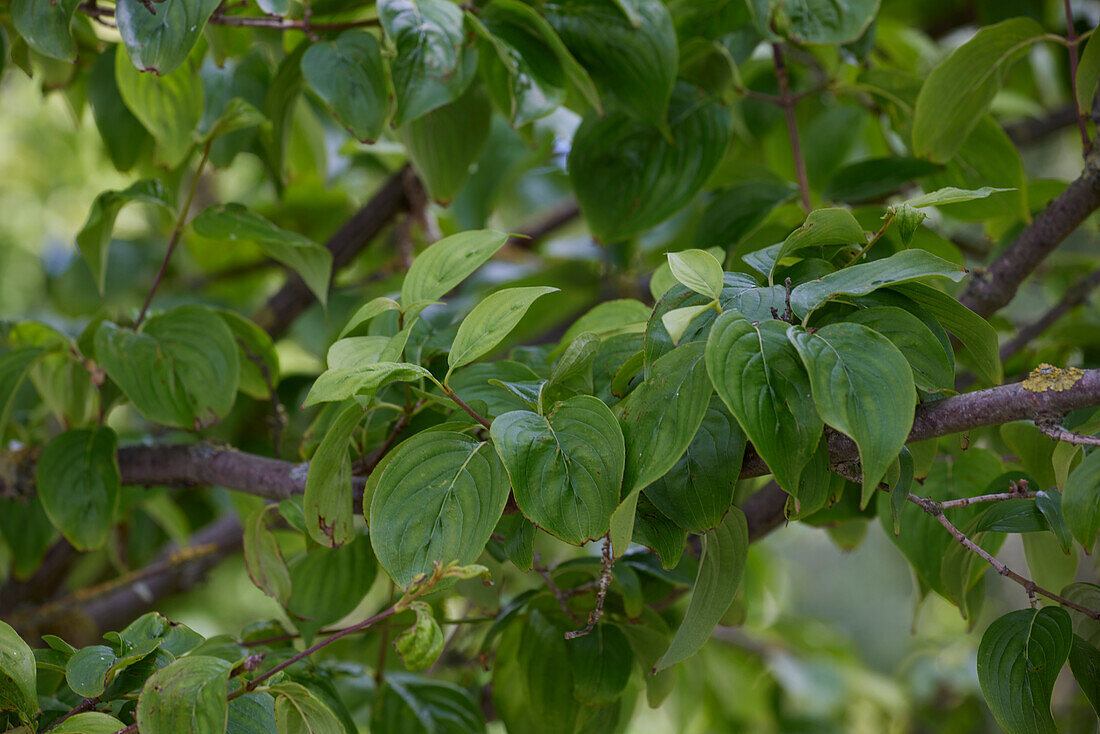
x=409, y=704
x=933, y=367
x=123, y=135
x=188, y=695
x=874, y=178
x=14, y=368
x=259, y=361
x=813, y=21
x=734, y=212
x=298, y=711
x=169, y=107
x=602, y=662
x=160, y=41
x=327, y=504
x=45, y=26
x=17, y=675
x=328, y=583
x=262, y=558
x=349, y=76
x=1084, y=661
x=533, y=680
x=79, y=484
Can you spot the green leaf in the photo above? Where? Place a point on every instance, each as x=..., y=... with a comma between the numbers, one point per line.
x=1019, y=659
x=822, y=227
x=259, y=362
x=1084, y=661
x=950, y=195
x=409, y=704
x=633, y=65
x=759, y=377
x=444, y=143
x=620, y=316
x=987, y=156
x=1087, y=595
x=262, y=558
x=1033, y=449
x=628, y=176
x=851, y=368
x=234, y=222
x=298, y=711
x=698, y=490
x=975, y=333
x=1088, y=74
x=933, y=366
x=14, y=368
x=873, y=178
x=87, y=670
x=169, y=107
x=813, y=21
x=491, y=321
x=523, y=75
x=89, y=722
x=328, y=583
x=698, y=270
x=349, y=76
x=123, y=135
x=437, y=500
x=658, y=533
x=180, y=370
x=959, y=91
x=720, y=568
x=420, y=645
x=1081, y=501
x=1049, y=502
x=366, y=312
x=94, y=238
x=45, y=26
x=677, y=321
x=252, y=713
x=734, y=212
x=433, y=65
x=858, y=280
x=327, y=503
x=79, y=485
x=447, y=263
x=161, y=41
x=17, y=675
x=238, y=114
x=187, y=695
x=566, y=468
x=344, y=382
x=602, y=662
x=533, y=679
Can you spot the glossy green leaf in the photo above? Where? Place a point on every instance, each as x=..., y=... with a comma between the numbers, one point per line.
x=1081, y=501
x=299, y=711
x=858, y=280
x=87, y=670
x=344, y=382
x=490, y=322
x=349, y=76
x=759, y=377
x=958, y=92
x=89, y=722
x=169, y=107
x=975, y=333
x=633, y=66
x=94, y=238
x=187, y=695
x=720, y=568
x=420, y=645
x=822, y=227
x=79, y=485
x=328, y=583
x=813, y=21
x=653, y=529
x=851, y=367
x=628, y=176
x=698, y=270
x=160, y=42
x=17, y=675
x=235, y=223
x=447, y=263
x=263, y=559
x=180, y=369
x=45, y=26
x=933, y=367
x=327, y=503
x=433, y=65
x=1049, y=502
x=409, y=704
x=437, y=500
x=1019, y=659
x=698, y=490
x=566, y=468
x=602, y=662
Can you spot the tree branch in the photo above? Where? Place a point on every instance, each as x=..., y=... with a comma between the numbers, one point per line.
x=1035, y=129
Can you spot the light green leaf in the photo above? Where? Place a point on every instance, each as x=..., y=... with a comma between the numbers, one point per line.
x=859, y=280
x=17, y=675
x=437, y=500
x=759, y=377
x=180, y=370
x=235, y=223
x=1019, y=659
x=349, y=76
x=262, y=558
x=299, y=711
x=433, y=65
x=89, y=722
x=566, y=468
x=327, y=502
x=160, y=41
x=45, y=26
x=958, y=92
x=79, y=485
x=169, y=107
x=678, y=320
x=491, y=321
x=851, y=368
x=420, y=645
x=822, y=227
x=628, y=176
x=933, y=366
x=447, y=263
x=813, y=21
x=366, y=312
x=950, y=195
x=698, y=270
x=720, y=568
x=987, y=156
x=189, y=695
x=1081, y=501
x=94, y=238
x=344, y=382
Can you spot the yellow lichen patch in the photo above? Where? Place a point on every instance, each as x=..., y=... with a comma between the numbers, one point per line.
x=1048, y=377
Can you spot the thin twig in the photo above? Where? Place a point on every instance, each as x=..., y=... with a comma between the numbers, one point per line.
x=874, y=238
x=462, y=404
x=788, y=102
x=177, y=231
x=935, y=509
x=1061, y=434
x=86, y=705
x=997, y=497
x=605, y=580
x=1071, y=36
x=563, y=599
